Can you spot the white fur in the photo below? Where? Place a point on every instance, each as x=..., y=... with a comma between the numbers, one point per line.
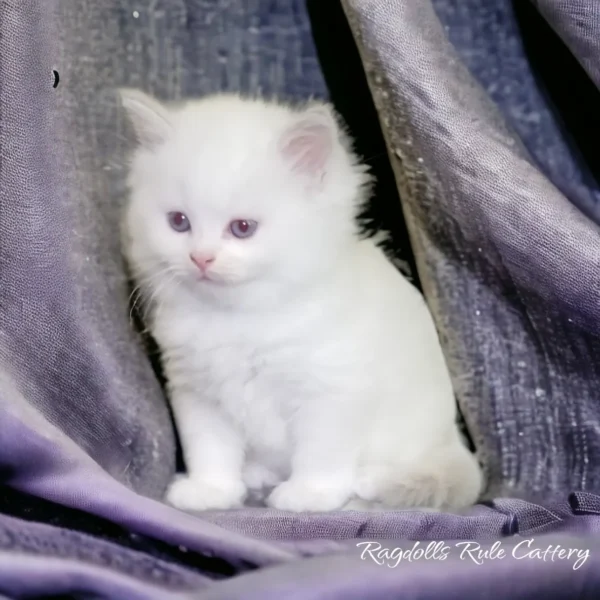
x=308, y=364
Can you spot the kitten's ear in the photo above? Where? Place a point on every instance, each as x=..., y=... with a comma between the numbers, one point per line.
x=308, y=143
x=150, y=119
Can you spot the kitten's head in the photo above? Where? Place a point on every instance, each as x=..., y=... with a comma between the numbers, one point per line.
x=229, y=192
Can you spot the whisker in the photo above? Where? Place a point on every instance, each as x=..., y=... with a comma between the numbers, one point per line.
x=158, y=290
x=145, y=280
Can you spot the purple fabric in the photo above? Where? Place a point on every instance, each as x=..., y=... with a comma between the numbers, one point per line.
x=38, y=559
x=535, y=81
x=511, y=270
x=577, y=23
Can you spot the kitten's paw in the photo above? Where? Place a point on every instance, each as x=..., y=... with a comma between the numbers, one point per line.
x=302, y=495
x=199, y=494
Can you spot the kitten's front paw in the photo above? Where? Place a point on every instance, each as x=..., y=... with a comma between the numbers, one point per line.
x=301, y=495
x=199, y=494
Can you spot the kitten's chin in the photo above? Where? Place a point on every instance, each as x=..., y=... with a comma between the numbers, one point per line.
x=217, y=284
x=209, y=280
x=213, y=280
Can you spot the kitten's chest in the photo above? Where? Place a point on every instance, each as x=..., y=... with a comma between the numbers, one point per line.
x=251, y=372
x=258, y=389
x=255, y=375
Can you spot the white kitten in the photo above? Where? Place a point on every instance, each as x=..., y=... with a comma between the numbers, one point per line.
x=297, y=357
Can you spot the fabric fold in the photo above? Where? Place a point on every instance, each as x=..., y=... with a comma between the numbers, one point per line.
x=67, y=350
x=578, y=24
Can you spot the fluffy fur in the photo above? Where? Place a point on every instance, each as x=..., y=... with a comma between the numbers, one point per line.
x=301, y=365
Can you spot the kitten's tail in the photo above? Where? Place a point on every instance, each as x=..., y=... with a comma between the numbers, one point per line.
x=449, y=478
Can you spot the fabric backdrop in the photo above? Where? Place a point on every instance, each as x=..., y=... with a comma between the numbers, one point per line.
x=475, y=114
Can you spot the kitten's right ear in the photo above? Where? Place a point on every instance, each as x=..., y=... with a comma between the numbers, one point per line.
x=150, y=119
x=308, y=143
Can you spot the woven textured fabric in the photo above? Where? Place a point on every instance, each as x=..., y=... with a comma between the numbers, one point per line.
x=500, y=203
x=69, y=364
x=578, y=24
x=540, y=87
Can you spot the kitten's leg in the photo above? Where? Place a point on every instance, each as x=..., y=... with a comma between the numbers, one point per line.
x=214, y=456
x=447, y=479
x=324, y=459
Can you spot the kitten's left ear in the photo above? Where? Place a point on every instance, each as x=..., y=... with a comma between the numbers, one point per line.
x=150, y=119
x=309, y=142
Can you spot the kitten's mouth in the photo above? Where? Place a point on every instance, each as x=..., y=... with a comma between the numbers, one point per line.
x=208, y=278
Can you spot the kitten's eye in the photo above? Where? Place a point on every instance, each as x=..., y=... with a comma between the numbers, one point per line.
x=179, y=222
x=243, y=229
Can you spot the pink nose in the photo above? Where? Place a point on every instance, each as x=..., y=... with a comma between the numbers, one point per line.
x=202, y=261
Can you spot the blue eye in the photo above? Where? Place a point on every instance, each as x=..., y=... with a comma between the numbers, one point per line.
x=243, y=228
x=179, y=222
